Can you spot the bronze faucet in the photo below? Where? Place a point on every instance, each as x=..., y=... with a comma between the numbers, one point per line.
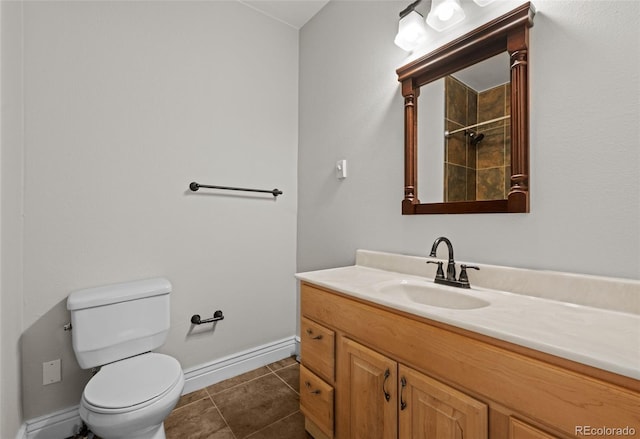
x=463, y=281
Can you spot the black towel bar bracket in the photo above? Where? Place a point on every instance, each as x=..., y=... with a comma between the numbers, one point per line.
x=196, y=320
x=195, y=186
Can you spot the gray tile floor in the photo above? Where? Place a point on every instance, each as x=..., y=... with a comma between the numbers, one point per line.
x=261, y=404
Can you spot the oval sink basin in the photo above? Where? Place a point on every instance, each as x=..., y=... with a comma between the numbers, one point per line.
x=424, y=293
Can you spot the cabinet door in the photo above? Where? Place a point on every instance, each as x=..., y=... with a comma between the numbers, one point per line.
x=520, y=430
x=368, y=394
x=430, y=409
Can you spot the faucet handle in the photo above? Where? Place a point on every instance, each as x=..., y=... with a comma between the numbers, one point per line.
x=463, y=272
x=440, y=272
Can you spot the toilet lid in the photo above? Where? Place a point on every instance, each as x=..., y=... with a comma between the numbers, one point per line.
x=133, y=381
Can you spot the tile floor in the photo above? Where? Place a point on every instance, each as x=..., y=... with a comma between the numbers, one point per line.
x=261, y=404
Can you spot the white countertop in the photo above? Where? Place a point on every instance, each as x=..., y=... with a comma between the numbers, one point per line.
x=602, y=338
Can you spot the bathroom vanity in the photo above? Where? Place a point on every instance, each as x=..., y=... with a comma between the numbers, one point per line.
x=386, y=353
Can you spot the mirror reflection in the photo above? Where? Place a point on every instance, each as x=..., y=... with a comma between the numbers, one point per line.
x=464, y=143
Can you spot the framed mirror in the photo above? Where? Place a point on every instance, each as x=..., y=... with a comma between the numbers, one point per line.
x=467, y=151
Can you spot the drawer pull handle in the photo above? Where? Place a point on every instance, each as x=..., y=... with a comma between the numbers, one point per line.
x=313, y=392
x=403, y=403
x=387, y=374
x=310, y=334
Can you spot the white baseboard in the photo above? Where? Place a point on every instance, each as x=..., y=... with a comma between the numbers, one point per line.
x=65, y=423
x=58, y=425
x=199, y=377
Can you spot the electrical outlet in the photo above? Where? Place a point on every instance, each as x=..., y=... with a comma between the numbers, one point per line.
x=51, y=372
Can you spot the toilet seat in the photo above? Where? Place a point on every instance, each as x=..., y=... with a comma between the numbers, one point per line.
x=131, y=384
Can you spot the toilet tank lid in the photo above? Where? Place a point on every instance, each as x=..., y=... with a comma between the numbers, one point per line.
x=115, y=293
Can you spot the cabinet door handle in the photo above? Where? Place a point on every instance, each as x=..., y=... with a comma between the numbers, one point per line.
x=387, y=374
x=313, y=392
x=403, y=403
x=310, y=334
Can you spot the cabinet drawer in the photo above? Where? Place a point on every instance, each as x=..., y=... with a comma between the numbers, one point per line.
x=317, y=348
x=316, y=400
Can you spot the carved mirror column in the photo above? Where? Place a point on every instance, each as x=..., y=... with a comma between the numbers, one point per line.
x=519, y=193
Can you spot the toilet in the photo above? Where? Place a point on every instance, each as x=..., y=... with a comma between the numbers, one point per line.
x=115, y=328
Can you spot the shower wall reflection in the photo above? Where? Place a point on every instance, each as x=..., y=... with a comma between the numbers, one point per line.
x=477, y=159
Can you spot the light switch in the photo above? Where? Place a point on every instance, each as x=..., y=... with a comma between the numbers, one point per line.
x=341, y=169
x=51, y=372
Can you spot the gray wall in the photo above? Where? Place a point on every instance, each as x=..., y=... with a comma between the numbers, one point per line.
x=11, y=173
x=585, y=159
x=125, y=103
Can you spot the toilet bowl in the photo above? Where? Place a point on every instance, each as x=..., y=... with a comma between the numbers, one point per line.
x=116, y=327
x=131, y=398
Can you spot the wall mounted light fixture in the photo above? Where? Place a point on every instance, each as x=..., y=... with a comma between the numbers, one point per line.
x=411, y=29
x=482, y=2
x=444, y=14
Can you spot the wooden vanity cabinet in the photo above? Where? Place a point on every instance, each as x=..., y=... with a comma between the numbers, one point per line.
x=389, y=374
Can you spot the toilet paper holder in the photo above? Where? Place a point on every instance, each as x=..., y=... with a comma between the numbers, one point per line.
x=196, y=320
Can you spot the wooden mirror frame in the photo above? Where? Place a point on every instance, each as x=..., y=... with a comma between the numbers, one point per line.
x=510, y=33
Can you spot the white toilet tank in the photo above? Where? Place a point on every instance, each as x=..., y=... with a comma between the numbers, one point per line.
x=114, y=322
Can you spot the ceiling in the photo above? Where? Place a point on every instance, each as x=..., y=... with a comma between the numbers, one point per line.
x=487, y=74
x=295, y=13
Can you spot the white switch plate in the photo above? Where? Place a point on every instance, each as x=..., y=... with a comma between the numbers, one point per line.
x=341, y=169
x=51, y=372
